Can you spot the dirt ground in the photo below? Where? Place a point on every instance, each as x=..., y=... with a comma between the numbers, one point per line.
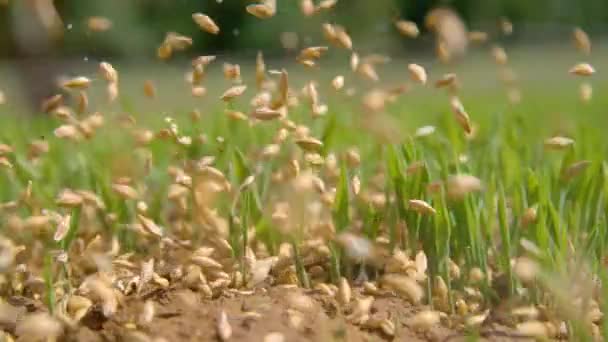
x=180, y=315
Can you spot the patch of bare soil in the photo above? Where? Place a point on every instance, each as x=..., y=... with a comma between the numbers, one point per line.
x=264, y=315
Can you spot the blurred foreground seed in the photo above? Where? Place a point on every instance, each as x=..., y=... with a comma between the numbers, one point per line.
x=421, y=207
x=460, y=185
x=99, y=24
x=558, y=143
x=407, y=28
x=205, y=23
x=224, y=330
x=582, y=41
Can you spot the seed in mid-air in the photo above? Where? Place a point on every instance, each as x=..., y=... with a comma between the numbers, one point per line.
x=478, y=37
x=205, y=23
x=585, y=92
x=310, y=144
x=79, y=83
x=581, y=40
x=506, y=26
x=417, y=73
x=99, y=24
x=558, y=143
x=338, y=82
x=407, y=28
x=461, y=115
x=460, y=185
x=107, y=71
x=307, y=7
x=149, y=89
x=261, y=11
x=233, y=92
x=421, y=207
x=582, y=69
x=500, y=55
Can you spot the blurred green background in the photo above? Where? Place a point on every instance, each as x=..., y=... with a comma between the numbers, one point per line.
x=140, y=25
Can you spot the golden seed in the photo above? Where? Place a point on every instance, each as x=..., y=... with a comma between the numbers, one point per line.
x=107, y=72
x=274, y=337
x=478, y=37
x=149, y=89
x=407, y=28
x=224, y=330
x=558, y=143
x=421, y=207
x=260, y=70
x=80, y=83
x=582, y=69
x=424, y=320
x=307, y=7
x=199, y=91
x=125, y=191
x=404, y=286
x=533, y=329
x=99, y=24
x=462, y=117
x=585, y=92
x=262, y=11
x=51, y=103
x=202, y=60
x=310, y=144
x=476, y=275
x=232, y=72
x=344, y=291
x=500, y=55
x=529, y=216
x=506, y=26
x=526, y=269
x=417, y=73
x=233, y=92
x=582, y=41
x=205, y=23
x=575, y=169
x=446, y=80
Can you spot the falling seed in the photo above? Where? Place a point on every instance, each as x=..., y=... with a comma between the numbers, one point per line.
x=261, y=11
x=582, y=41
x=78, y=83
x=500, y=55
x=407, y=28
x=582, y=69
x=342, y=38
x=164, y=51
x=421, y=207
x=417, y=73
x=99, y=24
x=478, y=37
x=506, y=26
x=203, y=60
x=310, y=144
x=51, y=103
x=233, y=93
x=558, y=143
x=425, y=131
x=354, y=61
x=307, y=7
x=313, y=52
x=477, y=320
x=265, y=114
x=260, y=70
x=462, y=117
x=107, y=72
x=529, y=216
x=585, y=92
x=337, y=82
x=177, y=41
x=149, y=89
x=460, y=185
x=575, y=169
x=125, y=191
x=446, y=80
x=205, y=23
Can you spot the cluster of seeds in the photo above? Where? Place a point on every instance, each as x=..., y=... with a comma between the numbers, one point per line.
x=225, y=220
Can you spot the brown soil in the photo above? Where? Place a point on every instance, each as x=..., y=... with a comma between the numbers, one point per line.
x=182, y=316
